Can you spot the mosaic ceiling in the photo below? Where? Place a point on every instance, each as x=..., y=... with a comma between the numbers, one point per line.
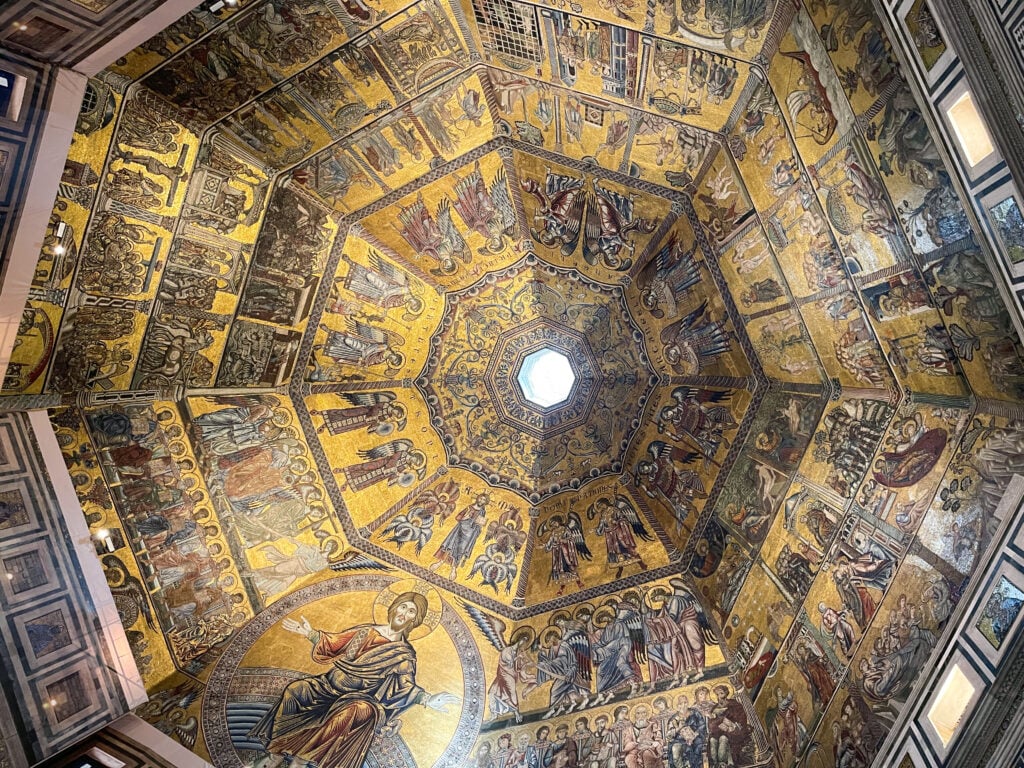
x=302, y=251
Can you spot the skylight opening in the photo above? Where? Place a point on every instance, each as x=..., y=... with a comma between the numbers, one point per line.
x=546, y=377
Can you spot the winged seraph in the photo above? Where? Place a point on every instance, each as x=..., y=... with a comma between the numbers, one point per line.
x=437, y=239
x=694, y=340
x=667, y=277
x=507, y=531
x=487, y=210
x=415, y=526
x=560, y=216
x=495, y=567
x=609, y=223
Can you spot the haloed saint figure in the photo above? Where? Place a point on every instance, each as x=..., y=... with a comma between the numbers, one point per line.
x=329, y=720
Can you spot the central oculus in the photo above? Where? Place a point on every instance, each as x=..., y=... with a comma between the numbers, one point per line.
x=536, y=379
x=546, y=377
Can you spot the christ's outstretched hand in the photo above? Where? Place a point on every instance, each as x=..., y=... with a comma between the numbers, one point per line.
x=303, y=628
x=441, y=701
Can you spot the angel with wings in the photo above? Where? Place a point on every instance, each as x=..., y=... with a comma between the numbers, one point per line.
x=694, y=341
x=563, y=538
x=416, y=524
x=667, y=277
x=382, y=284
x=497, y=563
x=439, y=239
x=516, y=673
x=566, y=660
x=487, y=210
x=620, y=524
x=698, y=416
x=609, y=226
x=667, y=475
x=362, y=345
x=560, y=215
x=397, y=462
x=376, y=412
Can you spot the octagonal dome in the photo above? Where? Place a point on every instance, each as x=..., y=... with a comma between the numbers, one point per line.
x=546, y=377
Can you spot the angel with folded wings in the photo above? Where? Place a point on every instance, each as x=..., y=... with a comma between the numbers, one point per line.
x=487, y=210
x=382, y=284
x=563, y=538
x=667, y=475
x=362, y=345
x=620, y=524
x=397, y=462
x=375, y=412
x=516, y=674
x=437, y=239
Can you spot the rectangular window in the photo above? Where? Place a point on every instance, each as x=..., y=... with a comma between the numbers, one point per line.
x=951, y=703
x=12, y=92
x=970, y=130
